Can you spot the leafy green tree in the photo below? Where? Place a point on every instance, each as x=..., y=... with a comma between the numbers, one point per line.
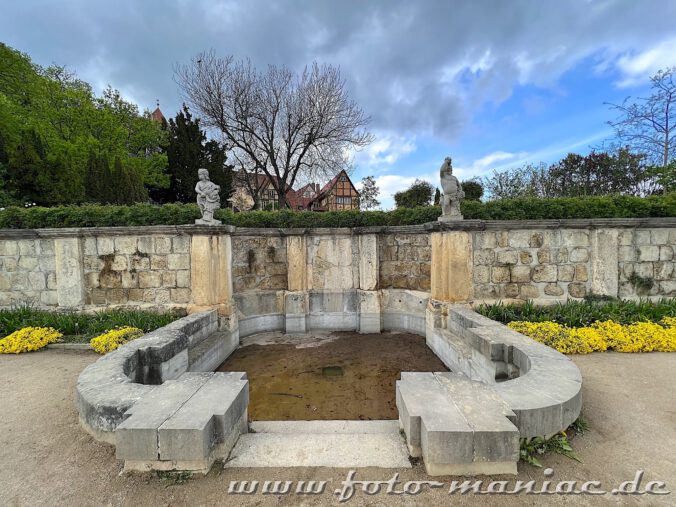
x=437, y=197
x=368, y=196
x=418, y=194
x=473, y=189
x=187, y=151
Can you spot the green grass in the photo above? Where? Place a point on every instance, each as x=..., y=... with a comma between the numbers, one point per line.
x=583, y=313
x=81, y=327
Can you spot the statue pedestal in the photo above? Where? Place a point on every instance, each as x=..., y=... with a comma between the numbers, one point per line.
x=450, y=218
x=200, y=221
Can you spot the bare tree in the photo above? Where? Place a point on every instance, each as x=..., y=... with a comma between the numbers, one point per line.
x=648, y=124
x=290, y=127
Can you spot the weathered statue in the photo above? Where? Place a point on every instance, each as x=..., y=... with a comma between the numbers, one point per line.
x=453, y=193
x=208, y=198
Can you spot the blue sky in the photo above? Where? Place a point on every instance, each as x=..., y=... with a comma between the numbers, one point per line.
x=491, y=83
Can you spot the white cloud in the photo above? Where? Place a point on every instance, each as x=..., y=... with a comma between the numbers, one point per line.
x=390, y=184
x=636, y=68
x=385, y=150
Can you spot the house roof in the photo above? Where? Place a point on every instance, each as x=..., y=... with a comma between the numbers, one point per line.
x=157, y=115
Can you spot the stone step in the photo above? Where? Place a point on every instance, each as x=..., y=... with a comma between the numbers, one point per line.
x=458, y=426
x=326, y=427
x=183, y=423
x=338, y=450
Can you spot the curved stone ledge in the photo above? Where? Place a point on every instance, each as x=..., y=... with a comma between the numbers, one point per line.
x=108, y=388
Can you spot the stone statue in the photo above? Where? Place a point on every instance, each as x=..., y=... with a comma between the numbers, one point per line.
x=453, y=193
x=208, y=198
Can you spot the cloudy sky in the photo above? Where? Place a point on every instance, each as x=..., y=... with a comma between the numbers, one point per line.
x=491, y=83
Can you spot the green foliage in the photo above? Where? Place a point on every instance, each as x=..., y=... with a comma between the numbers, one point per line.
x=437, y=197
x=178, y=214
x=82, y=326
x=418, y=194
x=187, y=151
x=473, y=189
x=51, y=122
x=531, y=448
x=582, y=313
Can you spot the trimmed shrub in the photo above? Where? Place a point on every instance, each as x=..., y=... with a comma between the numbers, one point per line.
x=179, y=214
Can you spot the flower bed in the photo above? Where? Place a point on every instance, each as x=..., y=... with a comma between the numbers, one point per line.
x=603, y=335
x=28, y=339
x=110, y=340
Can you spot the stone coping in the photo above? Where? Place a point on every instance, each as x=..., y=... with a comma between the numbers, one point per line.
x=464, y=225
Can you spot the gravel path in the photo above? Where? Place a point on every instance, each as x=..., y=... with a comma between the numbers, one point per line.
x=46, y=459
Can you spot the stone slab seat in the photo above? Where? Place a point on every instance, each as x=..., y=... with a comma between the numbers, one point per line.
x=458, y=426
x=185, y=424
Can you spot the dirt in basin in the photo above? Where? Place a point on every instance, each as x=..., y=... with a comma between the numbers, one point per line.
x=332, y=376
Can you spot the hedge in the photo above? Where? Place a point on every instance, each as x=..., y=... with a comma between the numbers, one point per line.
x=178, y=214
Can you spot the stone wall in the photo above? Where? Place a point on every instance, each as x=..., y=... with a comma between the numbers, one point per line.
x=27, y=272
x=405, y=261
x=137, y=269
x=468, y=261
x=259, y=263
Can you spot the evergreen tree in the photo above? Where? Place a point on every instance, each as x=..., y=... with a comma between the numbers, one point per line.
x=437, y=197
x=187, y=151
x=25, y=166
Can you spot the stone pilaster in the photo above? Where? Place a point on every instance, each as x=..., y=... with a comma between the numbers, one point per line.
x=368, y=262
x=69, y=272
x=451, y=268
x=370, y=311
x=210, y=272
x=296, y=255
x=604, y=262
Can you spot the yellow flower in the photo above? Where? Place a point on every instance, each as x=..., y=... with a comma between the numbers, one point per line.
x=112, y=339
x=600, y=336
x=28, y=339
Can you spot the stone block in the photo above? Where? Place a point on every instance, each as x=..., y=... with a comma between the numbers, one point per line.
x=9, y=264
x=28, y=247
x=119, y=263
x=659, y=236
x=89, y=246
x=51, y=281
x=183, y=278
x=69, y=272
x=486, y=291
x=577, y=290
x=519, y=239
x=9, y=247
x=37, y=280
x=162, y=245
x=648, y=253
x=482, y=274
x=574, y=238
x=116, y=296
x=5, y=282
x=178, y=261
x=180, y=244
x=163, y=296
x=500, y=274
x=581, y=273
x=484, y=257
x=149, y=279
x=668, y=288
x=135, y=295
x=18, y=280
x=507, y=257
x=158, y=262
x=520, y=274
x=528, y=291
x=511, y=290
x=129, y=280
x=49, y=298
x=368, y=262
x=544, y=273
x=579, y=255
x=525, y=257
x=168, y=279
x=180, y=296
x=666, y=253
x=566, y=273
x=625, y=237
x=210, y=270
x=485, y=239
x=552, y=289
x=125, y=245
x=47, y=263
x=627, y=254
x=145, y=245
x=28, y=263
x=105, y=245
x=536, y=240
x=561, y=255
x=663, y=270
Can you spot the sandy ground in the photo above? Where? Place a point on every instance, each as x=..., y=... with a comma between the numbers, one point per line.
x=340, y=376
x=46, y=459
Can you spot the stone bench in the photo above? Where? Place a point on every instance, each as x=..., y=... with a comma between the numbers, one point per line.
x=457, y=425
x=542, y=386
x=184, y=424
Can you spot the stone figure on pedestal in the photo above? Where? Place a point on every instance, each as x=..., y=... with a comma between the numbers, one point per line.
x=453, y=193
x=208, y=198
